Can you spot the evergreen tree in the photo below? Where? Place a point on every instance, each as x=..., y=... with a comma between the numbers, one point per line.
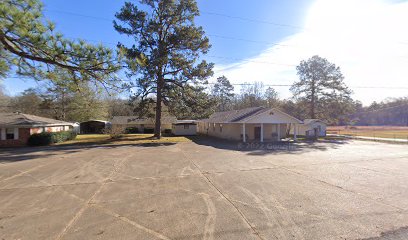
x=321, y=82
x=191, y=103
x=168, y=45
x=30, y=46
x=223, y=91
x=271, y=97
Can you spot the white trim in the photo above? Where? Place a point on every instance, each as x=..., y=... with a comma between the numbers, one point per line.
x=275, y=109
x=262, y=132
x=15, y=133
x=272, y=109
x=35, y=125
x=279, y=132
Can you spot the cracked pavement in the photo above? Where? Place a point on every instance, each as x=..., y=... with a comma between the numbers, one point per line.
x=205, y=189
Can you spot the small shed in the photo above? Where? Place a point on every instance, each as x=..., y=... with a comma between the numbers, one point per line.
x=312, y=128
x=76, y=127
x=93, y=126
x=184, y=128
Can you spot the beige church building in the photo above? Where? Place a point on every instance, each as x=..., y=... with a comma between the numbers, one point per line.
x=250, y=124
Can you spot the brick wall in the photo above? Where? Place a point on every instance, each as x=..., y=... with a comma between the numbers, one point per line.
x=23, y=135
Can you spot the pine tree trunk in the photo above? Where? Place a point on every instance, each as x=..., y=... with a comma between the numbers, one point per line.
x=313, y=101
x=157, y=127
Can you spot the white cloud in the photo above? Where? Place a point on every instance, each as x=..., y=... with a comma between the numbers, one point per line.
x=366, y=38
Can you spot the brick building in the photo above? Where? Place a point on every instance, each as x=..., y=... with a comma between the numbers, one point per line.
x=16, y=128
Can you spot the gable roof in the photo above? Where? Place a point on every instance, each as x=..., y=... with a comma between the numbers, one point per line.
x=20, y=119
x=128, y=120
x=233, y=115
x=242, y=115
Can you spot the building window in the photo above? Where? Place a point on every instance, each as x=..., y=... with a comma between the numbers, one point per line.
x=9, y=133
x=220, y=127
x=186, y=126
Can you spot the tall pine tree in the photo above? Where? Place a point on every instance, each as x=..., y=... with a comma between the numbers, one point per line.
x=320, y=82
x=30, y=46
x=168, y=45
x=223, y=91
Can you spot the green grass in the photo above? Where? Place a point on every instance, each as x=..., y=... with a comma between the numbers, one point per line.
x=397, y=134
x=124, y=140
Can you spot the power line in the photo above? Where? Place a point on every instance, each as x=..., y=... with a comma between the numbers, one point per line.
x=252, y=61
x=248, y=40
x=203, y=12
x=289, y=85
x=78, y=15
x=213, y=35
x=252, y=20
x=279, y=85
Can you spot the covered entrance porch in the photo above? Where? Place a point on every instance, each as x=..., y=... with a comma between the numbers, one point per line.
x=267, y=132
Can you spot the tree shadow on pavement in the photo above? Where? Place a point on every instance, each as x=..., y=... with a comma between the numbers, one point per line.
x=9, y=155
x=266, y=148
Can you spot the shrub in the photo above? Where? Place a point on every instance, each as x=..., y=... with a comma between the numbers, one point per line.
x=131, y=130
x=47, y=138
x=115, y=132
x=40, y=139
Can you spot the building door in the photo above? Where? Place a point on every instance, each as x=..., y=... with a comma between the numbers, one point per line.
x=257, y=133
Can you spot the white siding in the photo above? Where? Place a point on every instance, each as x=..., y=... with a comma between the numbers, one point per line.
x=273, y=116
x=181, y=130
x=304, y=128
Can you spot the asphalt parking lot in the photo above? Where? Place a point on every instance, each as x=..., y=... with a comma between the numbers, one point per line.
x=205, y=190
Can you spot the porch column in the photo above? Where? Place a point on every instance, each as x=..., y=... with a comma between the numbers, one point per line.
x=3, y=134
x=262, y=132
x=279, y=133
x=294, y=132
x=16, y=134
x=243, y=132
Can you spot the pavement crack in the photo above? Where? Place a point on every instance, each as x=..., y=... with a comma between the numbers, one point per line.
x=85, y=206
x=243, y=217
x=342, y=188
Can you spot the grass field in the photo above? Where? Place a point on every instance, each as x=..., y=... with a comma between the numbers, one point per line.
x=125, y=139
x=371, y=131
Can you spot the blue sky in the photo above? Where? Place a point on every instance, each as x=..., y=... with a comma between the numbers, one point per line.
x=224, y=50
x=347, y=32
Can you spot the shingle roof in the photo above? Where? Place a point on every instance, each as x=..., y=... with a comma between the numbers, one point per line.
x=309, y=121
x=123, y=120
x=20, y=119
x=235, y=115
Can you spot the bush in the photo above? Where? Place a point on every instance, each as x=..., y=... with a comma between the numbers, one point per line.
x=40, y=139
x=131, y=130
x=115, y=132
x=47, y=138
